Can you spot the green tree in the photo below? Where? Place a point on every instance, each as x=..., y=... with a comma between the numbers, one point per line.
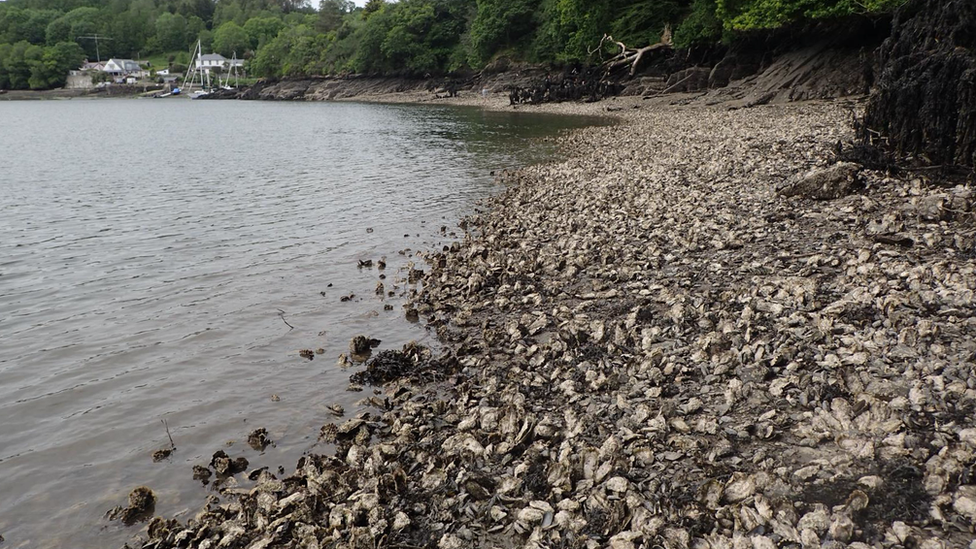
x=203, y=9
x=369, y=38
x=371, y=7
x=25, y=24
x=640, y=22
x=701, y=26
x=295, y=51
x=334, y=59
x=229, y=11
x=83, y=21
x=332, y=13
x=5, y=50
x=230, y=38
x=194, y=26
x=58, y=30
x=171, y=33
x=500, y=24
x=34, y=57
x=261, y=30
x=206, y=38
x=12, y=19
x=16, y=64
x=767, y=14
x=571, y=28
x=288, y=6
x=418, y=37
x=49, y=67
x=130, y=32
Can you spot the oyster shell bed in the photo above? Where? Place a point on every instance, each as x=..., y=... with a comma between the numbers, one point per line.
x=647, y=346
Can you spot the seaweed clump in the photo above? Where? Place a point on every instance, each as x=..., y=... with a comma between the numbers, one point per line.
x=412, y=361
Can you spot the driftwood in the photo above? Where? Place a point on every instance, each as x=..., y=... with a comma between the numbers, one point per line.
x=629, y=56
x=591, y=84
x=670, y=88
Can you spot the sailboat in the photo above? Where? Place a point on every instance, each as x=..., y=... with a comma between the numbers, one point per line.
x=193, y=72
x=225, y=84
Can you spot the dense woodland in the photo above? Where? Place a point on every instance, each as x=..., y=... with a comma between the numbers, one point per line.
x=40, y=40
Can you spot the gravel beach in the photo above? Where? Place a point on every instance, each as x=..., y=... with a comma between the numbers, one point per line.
x=698, y=330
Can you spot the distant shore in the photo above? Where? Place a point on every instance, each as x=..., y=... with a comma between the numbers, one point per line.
x=117, y=90
x=29, y=95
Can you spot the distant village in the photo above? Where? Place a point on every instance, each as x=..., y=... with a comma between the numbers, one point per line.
x=129, y=71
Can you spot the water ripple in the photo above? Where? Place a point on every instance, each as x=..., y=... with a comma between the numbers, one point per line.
x=143, y=267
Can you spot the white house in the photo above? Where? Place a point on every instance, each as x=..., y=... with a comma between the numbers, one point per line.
x=211, y=61
x=124, y=67
x=214, y=60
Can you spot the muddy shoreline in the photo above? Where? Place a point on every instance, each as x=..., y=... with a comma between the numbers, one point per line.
x=647, y=345
x=114, y=91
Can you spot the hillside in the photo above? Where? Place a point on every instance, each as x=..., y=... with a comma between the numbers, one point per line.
x=39, y=39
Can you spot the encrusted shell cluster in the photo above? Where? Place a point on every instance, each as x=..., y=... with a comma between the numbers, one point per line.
x=647, y=346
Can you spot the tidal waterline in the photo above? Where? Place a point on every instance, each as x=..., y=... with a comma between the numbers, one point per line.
x=168, y=260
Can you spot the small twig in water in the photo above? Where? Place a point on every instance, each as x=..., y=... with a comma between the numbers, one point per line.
x=281, y=315
x=166, y=425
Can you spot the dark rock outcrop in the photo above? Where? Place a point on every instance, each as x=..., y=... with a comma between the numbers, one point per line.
x=925, y=106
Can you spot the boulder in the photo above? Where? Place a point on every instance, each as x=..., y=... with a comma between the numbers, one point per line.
x=824, y=183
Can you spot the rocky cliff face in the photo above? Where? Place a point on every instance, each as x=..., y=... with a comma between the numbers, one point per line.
x=925, y=106
x=812, y=62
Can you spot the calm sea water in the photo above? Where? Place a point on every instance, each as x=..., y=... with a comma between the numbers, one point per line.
x=151, y=253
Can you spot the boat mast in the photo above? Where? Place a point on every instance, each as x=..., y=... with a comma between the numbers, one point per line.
x=233, y=70
x=191, y=72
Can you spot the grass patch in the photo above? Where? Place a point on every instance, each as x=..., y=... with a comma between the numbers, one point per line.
x=160, y=61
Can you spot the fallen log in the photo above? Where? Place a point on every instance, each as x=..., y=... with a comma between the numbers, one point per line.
x=630, y=57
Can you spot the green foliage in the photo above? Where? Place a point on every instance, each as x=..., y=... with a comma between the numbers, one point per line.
x=369, y=39
x=743, y=15
x=640, y=22
x=701, y=26
x=293, y=52
x=261, y=30
x=171, y=33
x=371, y=7
x=51, y=69
x=231, y=38
x=206, y=39
x=332, y=13
x=571, y=28
x=418, y=37
x=78, y=22
x=412, y=36
x=4, y=77
x=24, y=65
x=499, y=25
x=130, y=31
x=15, y=65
